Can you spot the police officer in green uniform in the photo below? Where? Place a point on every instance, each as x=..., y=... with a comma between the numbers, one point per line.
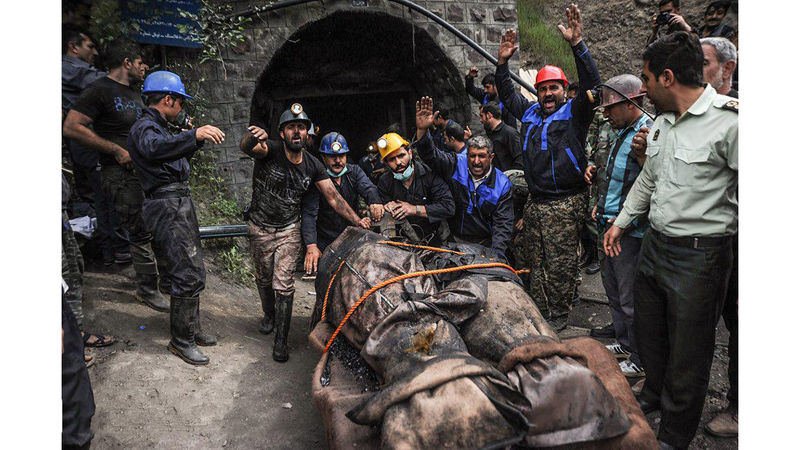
x=689, y=184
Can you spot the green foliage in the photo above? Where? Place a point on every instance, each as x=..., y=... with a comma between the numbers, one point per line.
x=106, y=25
x=542, y=39
x=218, y=29
x=234, y=261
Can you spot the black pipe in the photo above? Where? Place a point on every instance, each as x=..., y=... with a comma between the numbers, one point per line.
x=411, y=5
x=223, y=231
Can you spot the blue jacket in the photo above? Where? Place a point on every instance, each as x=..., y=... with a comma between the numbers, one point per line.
x=553, y=146
x=484, y=215
x=622, y=170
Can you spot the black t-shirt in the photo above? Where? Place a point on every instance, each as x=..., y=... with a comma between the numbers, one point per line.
x=279, y=186
x=113, y=108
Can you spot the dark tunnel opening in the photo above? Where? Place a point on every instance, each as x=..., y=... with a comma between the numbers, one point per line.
x=357, y=73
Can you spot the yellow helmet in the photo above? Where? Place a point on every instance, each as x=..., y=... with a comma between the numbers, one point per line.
x=390, y=142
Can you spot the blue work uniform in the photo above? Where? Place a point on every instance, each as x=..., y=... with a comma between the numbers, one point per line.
x=485, y=214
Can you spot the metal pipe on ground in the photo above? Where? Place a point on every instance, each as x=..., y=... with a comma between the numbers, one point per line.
x=223, y=231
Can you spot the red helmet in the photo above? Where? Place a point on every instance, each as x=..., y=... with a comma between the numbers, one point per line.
x=550, y=73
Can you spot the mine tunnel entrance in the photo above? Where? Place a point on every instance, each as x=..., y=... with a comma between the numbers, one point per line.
x=357, y=73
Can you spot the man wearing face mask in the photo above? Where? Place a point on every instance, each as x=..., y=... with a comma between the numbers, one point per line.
x=411, y=191
x=553, y=136
x=484, y=208
x=283, y=174
x=321, y=224
x=161, y=160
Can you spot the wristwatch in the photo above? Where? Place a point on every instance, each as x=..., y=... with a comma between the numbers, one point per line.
x=418, y=211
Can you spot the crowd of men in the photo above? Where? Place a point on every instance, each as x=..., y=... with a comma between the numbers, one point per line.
x=660, y=193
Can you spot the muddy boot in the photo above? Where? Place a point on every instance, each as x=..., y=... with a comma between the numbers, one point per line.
x=182, y=321
x=147, y=292
x=200, y=338
x=268, y=305
x=283, y=316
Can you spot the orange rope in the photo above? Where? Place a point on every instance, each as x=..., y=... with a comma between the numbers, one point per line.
x=404, y=277
x=325, y=301
x=424, y=247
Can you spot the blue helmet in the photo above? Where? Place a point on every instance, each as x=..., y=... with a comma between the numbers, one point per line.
x=164, y=82
x=333, y=143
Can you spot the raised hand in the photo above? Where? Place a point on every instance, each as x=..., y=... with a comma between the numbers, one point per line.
x=210, y=132
x=424, y=116
x=258, y=133
x=572, y=34
x=473, y=72
x=507, y=47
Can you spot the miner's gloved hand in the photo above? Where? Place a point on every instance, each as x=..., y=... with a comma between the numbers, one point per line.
x=376, y=211
x=312, y=258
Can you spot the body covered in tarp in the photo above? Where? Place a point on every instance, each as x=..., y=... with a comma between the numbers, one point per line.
x=457, y=359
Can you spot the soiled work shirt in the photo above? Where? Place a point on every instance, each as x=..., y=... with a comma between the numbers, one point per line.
x=690, y=177
x=113, y=108
x=279, y=186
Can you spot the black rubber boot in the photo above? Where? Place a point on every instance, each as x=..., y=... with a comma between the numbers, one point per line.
x=268, y=305
x=147, y=292
x=200, y=338
x=182, y=320
x=164, y=284
x=283, y=317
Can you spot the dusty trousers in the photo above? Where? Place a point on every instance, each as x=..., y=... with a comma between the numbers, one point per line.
x=275, y=256
x=124, y=191
x=619, y=275
x=551, y=238
x=679, y=294
x=175, y=232
x=72, y=270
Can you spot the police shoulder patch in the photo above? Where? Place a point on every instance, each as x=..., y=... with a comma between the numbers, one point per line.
x=731, y=105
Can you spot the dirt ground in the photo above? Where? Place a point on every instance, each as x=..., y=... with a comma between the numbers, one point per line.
x=148, y=398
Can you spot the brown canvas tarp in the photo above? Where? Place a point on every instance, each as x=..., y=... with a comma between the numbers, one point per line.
x=440, y=348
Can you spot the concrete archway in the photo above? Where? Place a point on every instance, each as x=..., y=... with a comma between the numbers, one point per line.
x=357, y=73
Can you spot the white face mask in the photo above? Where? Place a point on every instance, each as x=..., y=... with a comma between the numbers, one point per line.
x=337, y=175
x=405, y=175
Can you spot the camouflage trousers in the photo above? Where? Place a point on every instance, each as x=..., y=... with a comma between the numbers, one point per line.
x=549, y=244
x=275, y=256
x=124, y=191
x=72, y=269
